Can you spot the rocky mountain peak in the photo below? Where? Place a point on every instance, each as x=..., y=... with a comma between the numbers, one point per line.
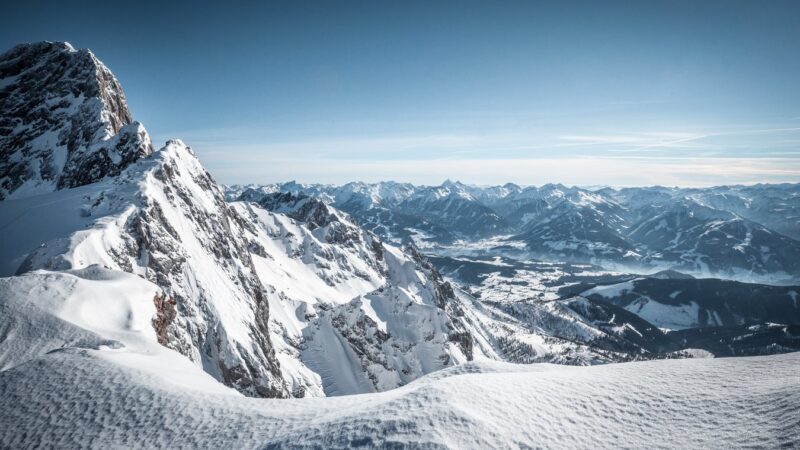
x=64, y=120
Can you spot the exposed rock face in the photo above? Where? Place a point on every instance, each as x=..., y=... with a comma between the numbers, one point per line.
x=165, y=315
x=304, y=208
x=192, y=243
x=64, y=121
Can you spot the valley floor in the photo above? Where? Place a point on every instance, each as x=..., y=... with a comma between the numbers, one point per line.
x=74, y=397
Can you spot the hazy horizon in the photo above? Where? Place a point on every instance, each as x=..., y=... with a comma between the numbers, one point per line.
x=585, y=93
x=589, y=187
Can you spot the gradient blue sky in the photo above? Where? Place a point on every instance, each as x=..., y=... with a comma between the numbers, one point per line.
x=621, y=93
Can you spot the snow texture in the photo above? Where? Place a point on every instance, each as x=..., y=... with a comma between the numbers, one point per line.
x=695, y=403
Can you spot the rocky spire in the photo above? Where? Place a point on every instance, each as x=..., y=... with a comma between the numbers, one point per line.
x=64, y=121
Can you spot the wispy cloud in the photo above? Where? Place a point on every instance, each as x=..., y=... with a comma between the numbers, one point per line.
x=646, y=142
x=581, y=171
x=638, y=141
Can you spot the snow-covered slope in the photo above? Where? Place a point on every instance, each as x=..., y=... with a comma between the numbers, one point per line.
x=64, y=121
x=386, y=338
x=697, y=403
x=93, y=308
x=350, y=314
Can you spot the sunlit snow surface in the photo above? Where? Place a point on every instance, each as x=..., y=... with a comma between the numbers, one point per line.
x=76, y=398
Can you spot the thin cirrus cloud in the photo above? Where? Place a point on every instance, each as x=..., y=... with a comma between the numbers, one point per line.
x=642, y=142
x=704, y=158
x=639, y=141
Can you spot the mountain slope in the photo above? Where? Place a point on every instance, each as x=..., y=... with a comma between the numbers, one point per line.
x=216, y=269
x=577, y=233
x=164, y=219
x=350, y=313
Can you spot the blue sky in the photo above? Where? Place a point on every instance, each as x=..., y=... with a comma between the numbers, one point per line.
x=621, y=93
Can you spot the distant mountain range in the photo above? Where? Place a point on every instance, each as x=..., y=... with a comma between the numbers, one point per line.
x=749, y=233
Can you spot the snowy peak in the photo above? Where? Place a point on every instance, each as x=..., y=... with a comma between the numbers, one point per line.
x=64, y=121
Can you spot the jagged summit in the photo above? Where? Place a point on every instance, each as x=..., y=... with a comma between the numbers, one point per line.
x=64, y=121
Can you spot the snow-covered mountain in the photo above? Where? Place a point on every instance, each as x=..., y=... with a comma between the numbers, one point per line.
x=577, y=233
x=162, y=218
x=696, y=238
x=86, y=189
x=216, y=271
x=400, y=211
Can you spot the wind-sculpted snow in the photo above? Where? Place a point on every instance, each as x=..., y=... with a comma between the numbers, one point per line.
x=64, y=121
x=91, y=308
x=703, y=403
x=29, y=327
